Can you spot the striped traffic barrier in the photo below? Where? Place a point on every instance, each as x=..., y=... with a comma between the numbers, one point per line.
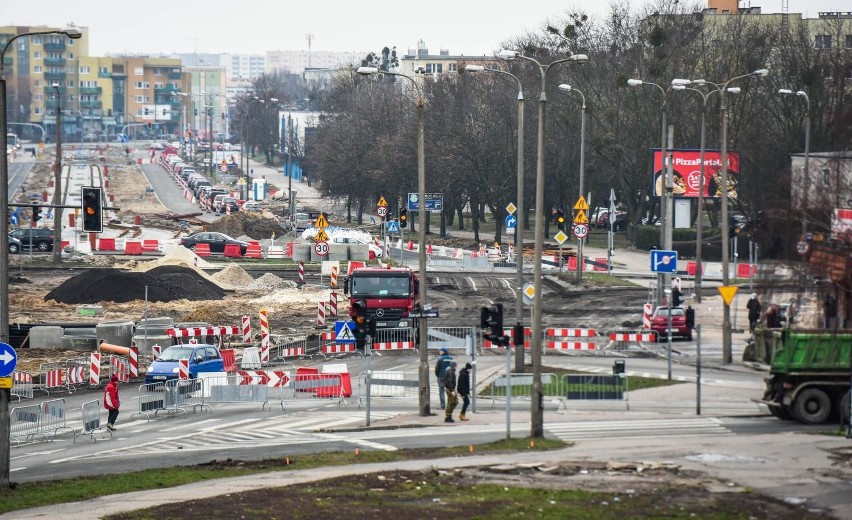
x=275, y=252
x=647, y=310
x=301, y=273
x=623, y=338
x=394, y=345
x=156, y=350
x=328, y=345
x=53, y=378
x=321, y=315
x=263, y=315
x=134, y=362
x=333, y=282
x=332, y=304
x=264, y=348
x=565, y=338
x=75, y=375
x=183, y=369
x=95, y=369
x=246, y=329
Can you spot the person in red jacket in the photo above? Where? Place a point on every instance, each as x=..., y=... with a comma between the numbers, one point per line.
x=111, y=401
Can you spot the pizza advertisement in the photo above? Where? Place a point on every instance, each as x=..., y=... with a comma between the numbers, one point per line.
x=686, y=168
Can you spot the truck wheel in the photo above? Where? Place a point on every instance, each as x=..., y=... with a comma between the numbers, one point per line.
x=844, y=409
x=812, y=406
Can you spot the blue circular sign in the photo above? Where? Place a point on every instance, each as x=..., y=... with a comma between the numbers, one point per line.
x=8, y=359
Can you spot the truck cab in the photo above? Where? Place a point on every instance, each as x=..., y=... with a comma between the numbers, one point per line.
x=386, y=295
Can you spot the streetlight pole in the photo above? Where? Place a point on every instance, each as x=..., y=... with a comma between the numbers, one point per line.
x=806, y=178
x=57, y=182
x=536, y=403
x=727, y=353
x=568, y=88
x=519, y=222
x=422, y=336
x=5, y=393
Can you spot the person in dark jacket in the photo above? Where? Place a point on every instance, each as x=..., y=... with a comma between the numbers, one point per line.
x=111, y=401
x=773, y=321
x=463, y=389
x=452, y=395
x=441, y=367
x=754, y=309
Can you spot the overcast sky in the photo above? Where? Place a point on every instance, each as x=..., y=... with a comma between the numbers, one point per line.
x=470, y=27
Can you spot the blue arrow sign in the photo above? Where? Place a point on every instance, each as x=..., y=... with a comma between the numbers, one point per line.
x=8, y=359
x=663, y=261
x=511, y=221
x=393, y=226
x=344, y=332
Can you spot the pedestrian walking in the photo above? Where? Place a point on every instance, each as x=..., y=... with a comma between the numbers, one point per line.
x=111, y=401
x=452, y=394
x=463, y=389
x=441, y=367
x=754, y=309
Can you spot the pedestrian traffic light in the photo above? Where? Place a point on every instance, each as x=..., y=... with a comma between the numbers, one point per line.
x=36, y=213
x=92, y=210
x=560, y=219
x=403, y=218
x=491, y=322
x=359, y=316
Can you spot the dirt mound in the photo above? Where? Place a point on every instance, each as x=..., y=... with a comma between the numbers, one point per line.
x=165, y=284
x=233, y=275
x=249, y=224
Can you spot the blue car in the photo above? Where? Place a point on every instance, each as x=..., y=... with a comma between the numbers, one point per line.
x=202, y=358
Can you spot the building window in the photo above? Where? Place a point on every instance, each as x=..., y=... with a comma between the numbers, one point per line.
x=71, y=84
x=158, y=71
x=103, y=70
x=434, y=68
x=822, y=41
x=37, y=83
x=70, y=55
x=138, y=99
x=158, y=85
x=37, y=111
x=85, y=70
x=38, y=97
x=37, y=69
x=138, y=71
x=453, y=67
x=849, y=41
x=36, y=55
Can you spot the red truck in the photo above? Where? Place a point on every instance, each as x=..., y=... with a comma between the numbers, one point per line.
x=385, y=296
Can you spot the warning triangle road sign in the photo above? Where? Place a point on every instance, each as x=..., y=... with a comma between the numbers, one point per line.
x=321, y=222
x=581, y=204
x=727, y=292
x=580, y=217
x=321, y=236
x=382, y=202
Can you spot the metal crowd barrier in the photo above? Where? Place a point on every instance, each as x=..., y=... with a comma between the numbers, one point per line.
x=404, y=338
x=22, y=385
x=77, y=372
x=151, y=398
x=387, y=385
x=521, y=387
x=53, y=416
x=233, y=388
x=183, y=393
x=293, y=348
x=454, y=338
x=311, y=386
x=91, y=420
x=24, y=422
x=593, y=387
x=50, y=375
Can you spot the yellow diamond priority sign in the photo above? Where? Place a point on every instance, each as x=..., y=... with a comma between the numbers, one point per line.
x=560, y=237
x=728, y=292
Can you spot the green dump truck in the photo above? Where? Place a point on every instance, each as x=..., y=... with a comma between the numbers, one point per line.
x=809, y=375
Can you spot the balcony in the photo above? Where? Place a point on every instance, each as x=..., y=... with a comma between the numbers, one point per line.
x=104, y=74
x=57, y=62
x=54, y=46
x=54, y=76
x=90, y=90
x=90, y=104
x=174, y=75
x=166, y=91
x=48, y=90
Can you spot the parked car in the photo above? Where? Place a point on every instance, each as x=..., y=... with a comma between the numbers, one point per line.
x=303, y=221
x=619, y=224
x=202, y=358
x=251, y=205
x=660, y=323
x=14, y=245
x=40, y=238
x=216, y=241
x=226, y=203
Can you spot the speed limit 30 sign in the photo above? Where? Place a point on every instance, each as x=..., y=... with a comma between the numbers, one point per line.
x=581, y=230
x=321, y=248
x=382, y=211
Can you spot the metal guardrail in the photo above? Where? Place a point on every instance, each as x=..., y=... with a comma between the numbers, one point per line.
x=454, y=338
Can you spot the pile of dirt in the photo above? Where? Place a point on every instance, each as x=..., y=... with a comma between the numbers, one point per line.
x=270, y=282
x=233, y=275
x=248, y=224
x=165, y=283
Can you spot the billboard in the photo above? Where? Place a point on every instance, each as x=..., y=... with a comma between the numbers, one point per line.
x=686, y=170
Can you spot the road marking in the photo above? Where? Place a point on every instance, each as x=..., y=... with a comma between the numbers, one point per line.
x=472, y=283
x=362, y=442
x=192, y=425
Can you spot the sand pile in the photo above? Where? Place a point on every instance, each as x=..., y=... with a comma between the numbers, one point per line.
x=235, y=276
x=270, y=282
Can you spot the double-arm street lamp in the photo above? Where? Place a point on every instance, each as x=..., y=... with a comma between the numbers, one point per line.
x=422, y=336
x=699, y=237
x=5, y=393
x=564, y=87
x=519, y=222
x=727, y=353
x=536, y=410
x=806, y=177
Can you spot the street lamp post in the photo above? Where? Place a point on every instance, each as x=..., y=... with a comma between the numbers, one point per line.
x=727, y=354
x=806, y=177
x=536, y=403
x=5, y=393
x=568, y=88
x=519, y=223
x=57, y=182
x=422, y=336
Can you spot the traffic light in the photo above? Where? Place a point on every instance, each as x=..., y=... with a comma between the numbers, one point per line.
x=560, y=219
x=146, y=111
x=403, y=218
x=491, y=322
x=196, y=112
x=359, y=315
x=92, y=198
x=36, y=213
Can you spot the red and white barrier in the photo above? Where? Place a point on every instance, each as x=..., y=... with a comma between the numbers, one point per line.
x=332, y=303
x=21, y=377
x=75, y=375
x=95, y=369
x=192, y=332
x=271, y=378
x=321, y=315
x=570, y=345
x=571, y=333
x=634, y=336
x=53, y=378
x=564, y=339
x=292, y=351
x=338, y=348
x=183, y=369
x=156, y=350
x=118, y=367
x=301, y=273
x=333, y=282
x=246, y=329
x=264, y=349
x=134, y=362
x=647, y=310
x=394, y=345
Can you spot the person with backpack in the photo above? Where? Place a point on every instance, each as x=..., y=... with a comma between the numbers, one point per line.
x=441, y=367
x=452, y=394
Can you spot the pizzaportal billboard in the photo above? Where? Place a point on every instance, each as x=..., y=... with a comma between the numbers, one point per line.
x=686, y=171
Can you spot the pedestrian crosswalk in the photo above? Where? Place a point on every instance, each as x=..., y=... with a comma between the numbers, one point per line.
x=567, y=431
